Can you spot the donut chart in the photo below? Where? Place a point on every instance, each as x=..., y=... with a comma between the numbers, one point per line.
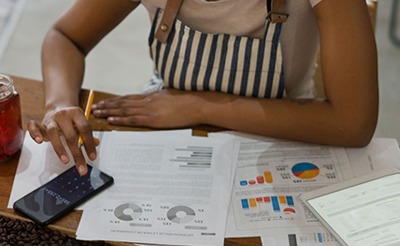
x=305, y=170
x=181, y=214
x=128, y=211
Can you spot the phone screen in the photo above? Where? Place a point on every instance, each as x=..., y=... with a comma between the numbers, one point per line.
x=62, y=194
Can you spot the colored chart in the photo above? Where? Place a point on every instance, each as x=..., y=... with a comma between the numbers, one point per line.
x=305, y=170
x=261, y=179
x=276, y=202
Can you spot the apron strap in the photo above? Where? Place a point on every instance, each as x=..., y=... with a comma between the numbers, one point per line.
x=167, y=20
x=277, y=11
x=276, y=14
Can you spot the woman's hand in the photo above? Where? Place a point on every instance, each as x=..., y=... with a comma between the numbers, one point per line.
x=163, y=109
x=69, y=122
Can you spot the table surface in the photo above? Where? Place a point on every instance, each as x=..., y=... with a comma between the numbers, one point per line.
x=32, y=101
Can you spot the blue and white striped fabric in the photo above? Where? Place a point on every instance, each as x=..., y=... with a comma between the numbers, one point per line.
x=192, y=60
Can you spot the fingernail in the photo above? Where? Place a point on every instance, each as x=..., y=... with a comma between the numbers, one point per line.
x=64, y=159
x=38, y=139
x=81, y=170
x=92, y=156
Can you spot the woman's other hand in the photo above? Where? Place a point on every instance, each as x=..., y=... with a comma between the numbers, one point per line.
x=163, y=109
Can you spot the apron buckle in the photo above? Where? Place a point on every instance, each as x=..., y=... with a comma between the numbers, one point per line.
x=275, y=17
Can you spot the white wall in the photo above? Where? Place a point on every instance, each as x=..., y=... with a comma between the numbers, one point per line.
x=119, y=64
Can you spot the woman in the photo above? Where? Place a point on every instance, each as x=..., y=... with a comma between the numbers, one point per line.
x=238, y=64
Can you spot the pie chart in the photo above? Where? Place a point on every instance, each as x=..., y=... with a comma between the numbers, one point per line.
x=181, y=214
x=305, y=170
x=128, y=211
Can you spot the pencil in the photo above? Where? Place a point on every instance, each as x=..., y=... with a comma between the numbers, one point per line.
x=87, y=111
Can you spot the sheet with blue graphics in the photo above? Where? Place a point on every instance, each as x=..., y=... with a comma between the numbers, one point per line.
x=379, y=154
x=270, y=176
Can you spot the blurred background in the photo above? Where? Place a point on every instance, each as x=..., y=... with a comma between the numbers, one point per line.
x=121, y=64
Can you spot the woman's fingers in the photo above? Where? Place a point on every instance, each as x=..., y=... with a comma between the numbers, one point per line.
x=37, y=131
x=73, y=125
x=121, y=106
x=123, y=101
x=54, y=134
x=163, y=109
x=68, y=123
x=137, y=120
x=86, y=133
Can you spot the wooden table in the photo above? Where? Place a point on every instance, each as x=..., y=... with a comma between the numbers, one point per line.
x=32, y=101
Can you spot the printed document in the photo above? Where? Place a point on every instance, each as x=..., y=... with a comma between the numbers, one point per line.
x=167, y=190
x=270, y=176
x=381, y=153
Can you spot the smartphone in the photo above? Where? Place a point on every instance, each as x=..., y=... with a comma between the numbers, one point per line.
x=62, y=194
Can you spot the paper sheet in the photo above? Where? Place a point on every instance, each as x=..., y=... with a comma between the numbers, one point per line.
x=39, y=164
x=379, y=154
x=173, y=190
x=270, y=176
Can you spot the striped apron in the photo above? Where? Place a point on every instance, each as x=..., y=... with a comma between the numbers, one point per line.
x=196, y=61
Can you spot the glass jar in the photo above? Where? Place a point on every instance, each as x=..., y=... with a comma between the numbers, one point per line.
x=11, y=132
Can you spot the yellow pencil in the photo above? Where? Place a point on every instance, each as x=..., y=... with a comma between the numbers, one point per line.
x=87, y=111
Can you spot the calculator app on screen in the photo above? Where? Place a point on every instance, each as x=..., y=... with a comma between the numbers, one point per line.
x=62, y=194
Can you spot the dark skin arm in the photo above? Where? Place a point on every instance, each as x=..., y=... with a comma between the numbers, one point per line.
x=64, y=49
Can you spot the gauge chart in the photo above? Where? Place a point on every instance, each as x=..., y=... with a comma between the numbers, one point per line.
x=128, y=211
x=181, y=214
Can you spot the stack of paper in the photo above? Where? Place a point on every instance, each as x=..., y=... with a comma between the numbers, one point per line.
x=172, y=188
x=271, y=174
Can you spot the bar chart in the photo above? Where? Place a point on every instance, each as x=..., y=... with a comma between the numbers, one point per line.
x=266, y=178
x=278, y=204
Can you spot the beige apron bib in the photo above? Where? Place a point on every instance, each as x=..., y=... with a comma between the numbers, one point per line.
x=196, y=61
